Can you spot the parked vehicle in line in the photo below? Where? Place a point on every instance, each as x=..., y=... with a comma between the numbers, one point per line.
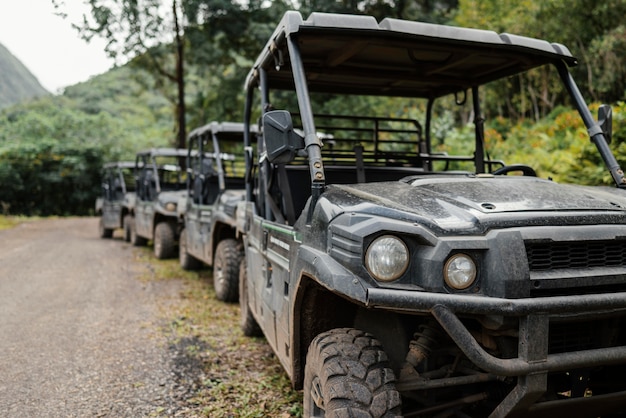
x=117, y=199
x=215, y=187
x=161, y=183
x=393, y=277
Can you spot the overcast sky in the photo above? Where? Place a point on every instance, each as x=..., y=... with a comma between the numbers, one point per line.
x=48, y=45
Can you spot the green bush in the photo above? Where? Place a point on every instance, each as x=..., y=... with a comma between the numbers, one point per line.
x=49, y=178
x=559, y=147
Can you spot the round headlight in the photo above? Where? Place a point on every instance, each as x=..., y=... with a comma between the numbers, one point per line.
x=459, y=271
x=387, y=258
x=170, y=206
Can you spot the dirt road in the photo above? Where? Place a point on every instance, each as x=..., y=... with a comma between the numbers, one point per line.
x=79, y=333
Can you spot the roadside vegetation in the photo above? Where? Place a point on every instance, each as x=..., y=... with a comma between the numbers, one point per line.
x=52, y=149
x=7, y=222
x=240, y=376
x=557, y=146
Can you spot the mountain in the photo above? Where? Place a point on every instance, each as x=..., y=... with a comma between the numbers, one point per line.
x=17, y=83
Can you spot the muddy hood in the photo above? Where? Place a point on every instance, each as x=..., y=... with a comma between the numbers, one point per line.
x=478, y=203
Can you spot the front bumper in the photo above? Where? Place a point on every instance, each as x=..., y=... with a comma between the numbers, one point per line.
x=533, y=362
x=419, y=301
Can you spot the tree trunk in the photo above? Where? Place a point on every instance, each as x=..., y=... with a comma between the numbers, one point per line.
x=180, y=82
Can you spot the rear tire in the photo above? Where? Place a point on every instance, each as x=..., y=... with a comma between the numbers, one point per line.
x=226, y=263
x=347, y=374
x=187, y=261
x=248, y=324
x=104, y=232
x=127, y=227
x=164, y=240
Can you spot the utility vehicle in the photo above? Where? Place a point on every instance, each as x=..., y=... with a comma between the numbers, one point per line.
x=161, y=183
x=117, y=199
x=393, y=277
x=215, y=185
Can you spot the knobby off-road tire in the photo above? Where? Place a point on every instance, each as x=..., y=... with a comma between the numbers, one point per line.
x=164, y=240
x=104, y=232
x=127, y=223
x=347, y=374
x=226, y=263
x=248, y=324
x=187, y=261
x=136, y=240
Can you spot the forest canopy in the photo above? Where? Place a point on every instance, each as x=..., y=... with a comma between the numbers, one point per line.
x=185, y=62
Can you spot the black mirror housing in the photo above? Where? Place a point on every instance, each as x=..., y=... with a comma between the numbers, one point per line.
x=605, y=120
x=281, y=142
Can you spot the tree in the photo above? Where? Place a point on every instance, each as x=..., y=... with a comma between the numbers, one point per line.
x=594, y=33
x=146, y=33
x=435, y=11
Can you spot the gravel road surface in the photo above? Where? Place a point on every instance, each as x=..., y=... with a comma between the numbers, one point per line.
x=80, y=334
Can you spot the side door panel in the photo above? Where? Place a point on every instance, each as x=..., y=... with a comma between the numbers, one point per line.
x=269, y=264
x=206, y=221
x=111, y=214
x=280, y=244
x=144, y=212
x=192, y=225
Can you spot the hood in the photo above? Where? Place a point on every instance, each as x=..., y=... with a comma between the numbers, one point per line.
x=172, y=196
x=476, y=203
x=232, y=197
x=129, y=199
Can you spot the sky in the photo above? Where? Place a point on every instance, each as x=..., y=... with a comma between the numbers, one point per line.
x=48, y=45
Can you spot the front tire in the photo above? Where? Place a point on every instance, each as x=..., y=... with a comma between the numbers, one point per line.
x=226, y=262
x=164, y=240
x=127, y=227
x=104, y=232
x=187, y=261
x=248, y=324
x=347, y=373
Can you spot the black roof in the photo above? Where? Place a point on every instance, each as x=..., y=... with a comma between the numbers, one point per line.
x=356, y=54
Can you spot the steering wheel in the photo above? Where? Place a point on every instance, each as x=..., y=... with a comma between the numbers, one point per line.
x=526, y=170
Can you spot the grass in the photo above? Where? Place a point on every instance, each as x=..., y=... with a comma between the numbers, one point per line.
x=7, y=222
x=242, y=377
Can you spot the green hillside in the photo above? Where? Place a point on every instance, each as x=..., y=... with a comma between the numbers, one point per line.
x=52, y=148
x=16, y=82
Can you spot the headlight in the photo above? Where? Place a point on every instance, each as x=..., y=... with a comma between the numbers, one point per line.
x=170, y=206
x=387, y=258
x=459, y=271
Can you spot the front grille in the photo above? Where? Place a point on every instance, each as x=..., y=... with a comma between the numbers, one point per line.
x=576, y=254
x=586, y=335
x=574, y=336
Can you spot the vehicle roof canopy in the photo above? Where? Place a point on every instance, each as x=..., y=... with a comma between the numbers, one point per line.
x=355, y=54
x=224, y=130
x=163, y=152
x=119, y=164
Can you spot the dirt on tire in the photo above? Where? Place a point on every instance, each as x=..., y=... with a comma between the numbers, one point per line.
x=228, y=255
x=81, y=334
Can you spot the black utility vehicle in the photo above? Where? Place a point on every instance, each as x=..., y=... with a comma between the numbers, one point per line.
x=393, y=278
x=215, y=187
x=161, y=183
x=118, y=198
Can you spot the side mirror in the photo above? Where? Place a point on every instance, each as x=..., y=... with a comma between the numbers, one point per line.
x=281, y=142
x=605, y=120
